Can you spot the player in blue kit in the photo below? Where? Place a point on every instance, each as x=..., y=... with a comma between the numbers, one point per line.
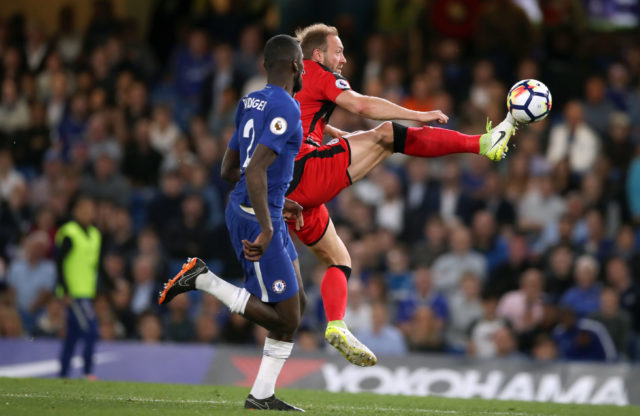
x=260, y=158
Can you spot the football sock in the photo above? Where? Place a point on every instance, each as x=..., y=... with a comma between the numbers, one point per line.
x=432, y=141
x=274, y=355
x=334, y=292
x=234, y=297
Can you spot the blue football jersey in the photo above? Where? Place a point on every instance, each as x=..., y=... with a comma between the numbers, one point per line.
x=270, y=117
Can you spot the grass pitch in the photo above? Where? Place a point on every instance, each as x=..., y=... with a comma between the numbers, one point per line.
x=31, y=397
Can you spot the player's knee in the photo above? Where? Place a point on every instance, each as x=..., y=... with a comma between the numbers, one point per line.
x=289, y=325
x=384, y=133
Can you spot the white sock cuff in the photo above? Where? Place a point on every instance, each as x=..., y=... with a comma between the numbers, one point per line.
x=277, y=349
x=240, y=302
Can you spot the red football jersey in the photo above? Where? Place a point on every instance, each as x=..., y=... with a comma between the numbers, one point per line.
x=320, y=87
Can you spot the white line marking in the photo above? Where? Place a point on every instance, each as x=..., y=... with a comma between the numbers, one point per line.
x=239, y=403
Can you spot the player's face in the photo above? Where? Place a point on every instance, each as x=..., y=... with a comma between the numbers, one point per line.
x=334, y=56
x=297, y=81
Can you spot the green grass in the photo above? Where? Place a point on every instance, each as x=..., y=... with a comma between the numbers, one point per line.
x=31, y=397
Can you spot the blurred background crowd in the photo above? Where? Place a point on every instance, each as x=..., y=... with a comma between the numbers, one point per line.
x=536, y=257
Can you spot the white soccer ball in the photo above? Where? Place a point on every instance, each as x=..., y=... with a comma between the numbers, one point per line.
x=529, y=100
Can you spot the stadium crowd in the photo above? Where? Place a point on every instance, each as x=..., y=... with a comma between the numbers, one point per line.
x=535, y=257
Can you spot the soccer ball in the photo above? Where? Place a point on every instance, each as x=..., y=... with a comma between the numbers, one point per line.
x=529, y=100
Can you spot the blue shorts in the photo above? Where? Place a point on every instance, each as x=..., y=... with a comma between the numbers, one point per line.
x=271, y=279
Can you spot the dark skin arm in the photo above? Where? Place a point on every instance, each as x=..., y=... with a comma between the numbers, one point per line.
x=230, y=171
x=256, y=177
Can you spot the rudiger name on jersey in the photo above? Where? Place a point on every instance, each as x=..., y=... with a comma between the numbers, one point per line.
x=254, y=103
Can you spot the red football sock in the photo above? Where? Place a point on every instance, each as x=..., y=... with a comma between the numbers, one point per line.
x=434, y=141
x=334, y=293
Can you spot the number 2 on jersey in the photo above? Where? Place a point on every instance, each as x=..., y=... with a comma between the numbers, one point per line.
x=247, y=132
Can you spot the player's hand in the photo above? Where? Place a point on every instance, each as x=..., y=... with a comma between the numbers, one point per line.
x=435, y=115
x=254, y=250
x=293, y=210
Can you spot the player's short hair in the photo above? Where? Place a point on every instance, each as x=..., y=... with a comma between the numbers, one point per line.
x=280, y=48
x=314, y=37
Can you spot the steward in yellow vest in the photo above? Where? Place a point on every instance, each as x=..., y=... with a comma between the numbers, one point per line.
x=78, y=260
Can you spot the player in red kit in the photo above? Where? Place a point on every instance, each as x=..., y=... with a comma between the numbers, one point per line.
x=322, y=171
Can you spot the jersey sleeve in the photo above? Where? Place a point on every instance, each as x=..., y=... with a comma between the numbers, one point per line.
x=332, y=84
x=279, y=123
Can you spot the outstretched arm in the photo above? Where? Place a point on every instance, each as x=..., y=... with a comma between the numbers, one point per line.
x=256, y=177
x=380, y=109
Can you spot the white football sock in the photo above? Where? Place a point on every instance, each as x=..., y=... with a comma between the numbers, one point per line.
x=274, y=354
x=234, y=297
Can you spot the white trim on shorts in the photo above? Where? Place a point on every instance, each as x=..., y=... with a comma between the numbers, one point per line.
x=263, y=290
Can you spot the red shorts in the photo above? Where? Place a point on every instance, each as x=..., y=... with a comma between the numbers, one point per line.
x=318, y=176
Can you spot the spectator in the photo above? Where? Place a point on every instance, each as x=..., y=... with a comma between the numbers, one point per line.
x=582, y=339
x=73, y=125
x=573, y=139
x=425, y=331
x=191, y=65
x=383, y=338
x=433, y=244
x=10, y=323
x=144, y=289
x=121, y=301
x=465, y=309
x=98, y=140
x=544, y=349
x=167, y=203
x=307, y=339
x=188, y=235
x=502, y=280
x=422, y=294
x=32, y=278
x=14, y=110
x=616, y=321
x=481, y=344
x=398, y=274
x=487, y=241
x=449, y=267
x=506, y=344
x=69, y=40
x=10, y=178
x=539, y=205
x=359, y=311
x=559, y=272
x=390, y=211
x=149, y=327
x=52, y=322
x=162, y=131
x=206, y=329
x=420, y=198
x=583, y=297
x=523, y=308
x=628, y=291
x=177, y=325
x=141, y=162
x=198, y=183
x=597, y=244
x=597, y=108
